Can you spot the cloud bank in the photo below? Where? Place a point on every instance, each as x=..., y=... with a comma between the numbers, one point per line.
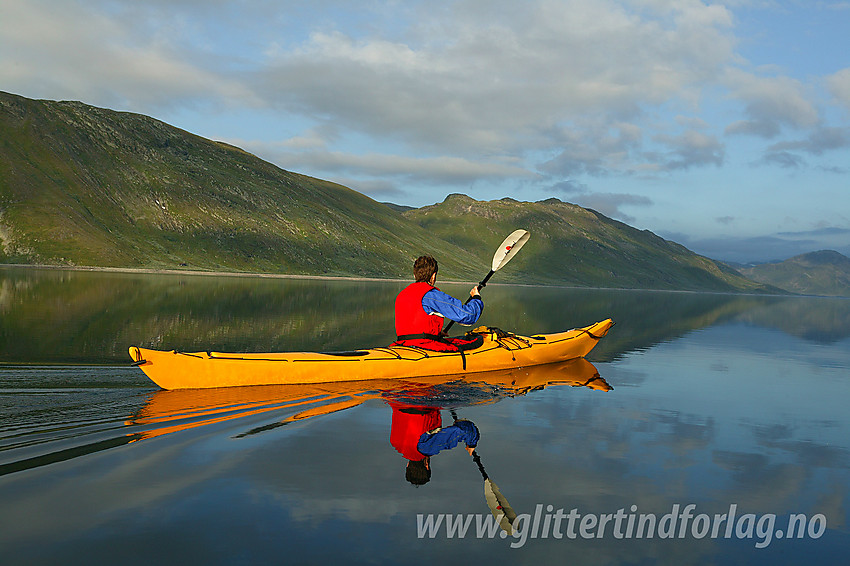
x=418, y=99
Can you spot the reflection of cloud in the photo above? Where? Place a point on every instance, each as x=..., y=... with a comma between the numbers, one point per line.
x=332, y=487
x=762, y=482
x=781, y=437
x=289, y=489
x=69, y=492
x=762, y=485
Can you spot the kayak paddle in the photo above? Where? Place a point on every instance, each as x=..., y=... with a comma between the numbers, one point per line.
x=499, y=506
x=503, y=255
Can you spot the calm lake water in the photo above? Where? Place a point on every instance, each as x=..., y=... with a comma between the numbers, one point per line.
x=704, y=429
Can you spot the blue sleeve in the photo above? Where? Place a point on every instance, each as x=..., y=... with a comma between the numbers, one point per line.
x=448, y=437
x=437, y=302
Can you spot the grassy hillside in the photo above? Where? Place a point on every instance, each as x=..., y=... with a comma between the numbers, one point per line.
x=81, y=185
x=575, y=246
x=825, y=272
x=86, y=186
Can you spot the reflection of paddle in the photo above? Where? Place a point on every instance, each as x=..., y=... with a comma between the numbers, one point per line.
x=314, y=412
x=503, y=255
x=499, y=506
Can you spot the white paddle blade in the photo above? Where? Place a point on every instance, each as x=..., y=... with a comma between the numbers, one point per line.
x=499, y=507
x=509, y=248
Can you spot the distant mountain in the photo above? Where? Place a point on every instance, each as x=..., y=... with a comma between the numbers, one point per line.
x=825, y=272
x=572, y=245
x=87, y=186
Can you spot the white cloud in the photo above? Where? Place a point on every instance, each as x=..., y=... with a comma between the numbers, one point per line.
x=375, y=188
x=502, y=79
x=819, y=141
x=429, y=93
x=774, y=247
x=839, y=86
x=68, y=50
x=429, y=170
x=610, y=204
x=691, y=149
x=594, y=148
x=771, y=103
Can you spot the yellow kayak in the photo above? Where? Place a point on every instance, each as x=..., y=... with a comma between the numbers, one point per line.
x=500, y=350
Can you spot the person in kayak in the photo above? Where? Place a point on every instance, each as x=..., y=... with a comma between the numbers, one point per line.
x=417, y=434
x=421, y=307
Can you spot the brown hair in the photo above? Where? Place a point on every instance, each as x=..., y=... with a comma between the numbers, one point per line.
x=424, y=267
x=417, y=473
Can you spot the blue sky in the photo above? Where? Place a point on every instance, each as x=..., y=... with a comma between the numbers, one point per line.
x=724, y=126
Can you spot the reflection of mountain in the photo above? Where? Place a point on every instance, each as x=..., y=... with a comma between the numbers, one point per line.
x=822, y=320
x=51, y=316
x=171, y=411
x=643, y=318
x=81, y=317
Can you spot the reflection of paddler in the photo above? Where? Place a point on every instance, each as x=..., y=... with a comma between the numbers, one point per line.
x=417, y=434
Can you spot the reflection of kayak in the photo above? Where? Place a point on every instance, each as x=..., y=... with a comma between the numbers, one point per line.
x=172, y=411
x=180, y=370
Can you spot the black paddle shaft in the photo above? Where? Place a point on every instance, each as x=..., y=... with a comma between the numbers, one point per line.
x=477, y=459
x=481, y=285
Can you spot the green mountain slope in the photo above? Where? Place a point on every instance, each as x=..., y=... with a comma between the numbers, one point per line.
x=575, y=246
x=86, y=186
x=825, y=272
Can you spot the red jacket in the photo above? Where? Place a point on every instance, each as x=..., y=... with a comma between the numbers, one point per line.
x=410, y=317
x=409, y=422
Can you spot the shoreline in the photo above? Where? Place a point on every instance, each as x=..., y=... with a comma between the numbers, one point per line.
x=247, y=274
x=189, y=272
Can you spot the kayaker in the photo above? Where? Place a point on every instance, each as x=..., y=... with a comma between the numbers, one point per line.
x=421, y=307
x=417, y=434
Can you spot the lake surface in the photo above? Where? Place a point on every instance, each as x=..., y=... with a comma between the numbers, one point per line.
x=704, y=429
